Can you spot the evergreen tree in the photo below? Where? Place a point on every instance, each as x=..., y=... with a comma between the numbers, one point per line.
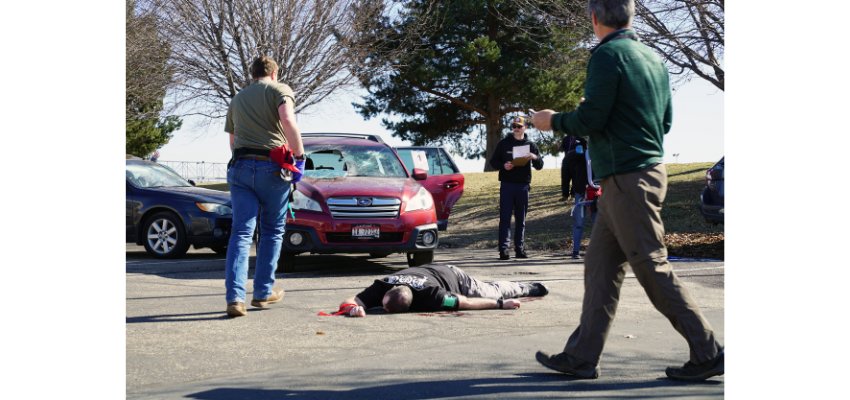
x=476, y=64
x=147, y=80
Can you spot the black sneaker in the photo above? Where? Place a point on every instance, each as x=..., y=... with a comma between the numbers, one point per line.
x=575, y=256
x=568, y=364
x=521, y=253
x=503, y=255
x=697, y=372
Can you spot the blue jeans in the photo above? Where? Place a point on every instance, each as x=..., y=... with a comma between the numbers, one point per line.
x=578, y=222
x=256, y=188
x=513, y=199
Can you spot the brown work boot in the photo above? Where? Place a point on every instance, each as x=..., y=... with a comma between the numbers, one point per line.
x=236, y=309
x=277, y=295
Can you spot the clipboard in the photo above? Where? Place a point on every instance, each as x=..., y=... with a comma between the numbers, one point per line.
x=520, y=162
x=521, y=154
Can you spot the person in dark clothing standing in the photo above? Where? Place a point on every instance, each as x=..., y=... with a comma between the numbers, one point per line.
x=573, y=148
x=576, y=161
x=515, y=185
x=627, y=111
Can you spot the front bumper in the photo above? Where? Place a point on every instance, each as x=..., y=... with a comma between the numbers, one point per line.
x=340, y=240
x=206, y=230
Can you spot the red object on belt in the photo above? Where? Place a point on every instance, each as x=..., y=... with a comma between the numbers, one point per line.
x=592, y=193
x=283, y=157
x=343, y=310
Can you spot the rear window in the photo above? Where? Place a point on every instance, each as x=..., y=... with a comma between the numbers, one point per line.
x=334, y=161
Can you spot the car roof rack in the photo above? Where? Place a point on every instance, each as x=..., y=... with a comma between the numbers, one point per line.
x=374, y=138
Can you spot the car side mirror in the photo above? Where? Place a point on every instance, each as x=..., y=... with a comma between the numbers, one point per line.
x=420, y=174
x=191, y=182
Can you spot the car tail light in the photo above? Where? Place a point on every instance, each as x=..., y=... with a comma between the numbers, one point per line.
x=712, y=176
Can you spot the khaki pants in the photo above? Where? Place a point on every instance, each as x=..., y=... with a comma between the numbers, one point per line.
x=629, y=231
x=490, y=290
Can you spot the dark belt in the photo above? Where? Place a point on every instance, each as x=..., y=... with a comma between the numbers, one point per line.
x=255, y=157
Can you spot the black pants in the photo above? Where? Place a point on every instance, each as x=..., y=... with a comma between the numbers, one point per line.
x=565, y=178
x=513, y=199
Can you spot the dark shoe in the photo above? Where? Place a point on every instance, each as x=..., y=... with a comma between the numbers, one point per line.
x=575, y=256
x=568, y=364
x=564, y=198
x=536, y=289
x=236, y=309
x=277, y=295
x=503, y=255
x=521, y=254
x=697, y=372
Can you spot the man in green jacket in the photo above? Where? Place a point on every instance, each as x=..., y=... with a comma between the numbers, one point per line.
x=626, y=113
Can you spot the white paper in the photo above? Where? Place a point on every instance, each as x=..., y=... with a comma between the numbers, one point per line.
x=420, y=159
x=522, y=151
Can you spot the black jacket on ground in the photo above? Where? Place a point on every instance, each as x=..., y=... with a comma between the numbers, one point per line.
x=505, y=152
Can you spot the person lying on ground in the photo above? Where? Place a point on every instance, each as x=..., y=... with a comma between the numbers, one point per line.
x=439, y=287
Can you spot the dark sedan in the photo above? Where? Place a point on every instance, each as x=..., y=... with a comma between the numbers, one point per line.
x=711, y=200
x=167, y=213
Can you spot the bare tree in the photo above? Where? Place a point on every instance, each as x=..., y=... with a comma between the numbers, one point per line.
x=689, y=34
x=148, y=75
x=213, y=43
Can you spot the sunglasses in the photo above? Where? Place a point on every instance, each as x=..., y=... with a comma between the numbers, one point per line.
x=515, y=126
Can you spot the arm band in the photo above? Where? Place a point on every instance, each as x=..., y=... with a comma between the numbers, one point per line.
x=450, y=302
x=500, y=303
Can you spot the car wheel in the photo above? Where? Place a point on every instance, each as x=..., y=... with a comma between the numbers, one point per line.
x=286, y=262
x=165, y=236
x=220, y=250
x=417, y=259
x=378, y=255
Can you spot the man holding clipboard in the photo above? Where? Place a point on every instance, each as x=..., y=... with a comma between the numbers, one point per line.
x=511, y=158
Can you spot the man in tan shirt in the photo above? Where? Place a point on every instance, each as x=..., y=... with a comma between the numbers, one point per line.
x=261, y=117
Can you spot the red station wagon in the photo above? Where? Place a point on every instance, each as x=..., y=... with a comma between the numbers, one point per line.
x=357, y=196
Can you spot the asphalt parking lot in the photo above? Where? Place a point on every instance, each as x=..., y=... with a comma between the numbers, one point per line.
x=179, y=343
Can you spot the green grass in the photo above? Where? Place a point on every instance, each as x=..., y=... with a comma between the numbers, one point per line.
x=475, y=218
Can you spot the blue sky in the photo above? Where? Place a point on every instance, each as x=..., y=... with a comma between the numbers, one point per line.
x=697, y=133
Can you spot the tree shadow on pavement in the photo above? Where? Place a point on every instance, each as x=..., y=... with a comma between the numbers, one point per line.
x=532, y=385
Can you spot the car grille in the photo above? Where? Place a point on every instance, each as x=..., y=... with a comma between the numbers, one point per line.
x=364, y=207
x=386, y=237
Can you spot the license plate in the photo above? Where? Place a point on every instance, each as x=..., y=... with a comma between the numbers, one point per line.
x=366, y=231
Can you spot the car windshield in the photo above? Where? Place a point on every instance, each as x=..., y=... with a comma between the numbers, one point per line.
x=149, y=175
x=326, y=161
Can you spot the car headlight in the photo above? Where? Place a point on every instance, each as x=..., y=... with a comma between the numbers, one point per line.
x=422, y=201
x=300, y=201
x=215, y=208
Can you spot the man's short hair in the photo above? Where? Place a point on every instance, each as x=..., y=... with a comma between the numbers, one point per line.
x=612, y=13
x=398, y=299
x=262, y=66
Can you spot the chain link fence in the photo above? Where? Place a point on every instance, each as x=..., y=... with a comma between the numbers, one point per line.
x=199, y=171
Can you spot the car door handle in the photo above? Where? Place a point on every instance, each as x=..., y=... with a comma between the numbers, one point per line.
x=451, y=184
